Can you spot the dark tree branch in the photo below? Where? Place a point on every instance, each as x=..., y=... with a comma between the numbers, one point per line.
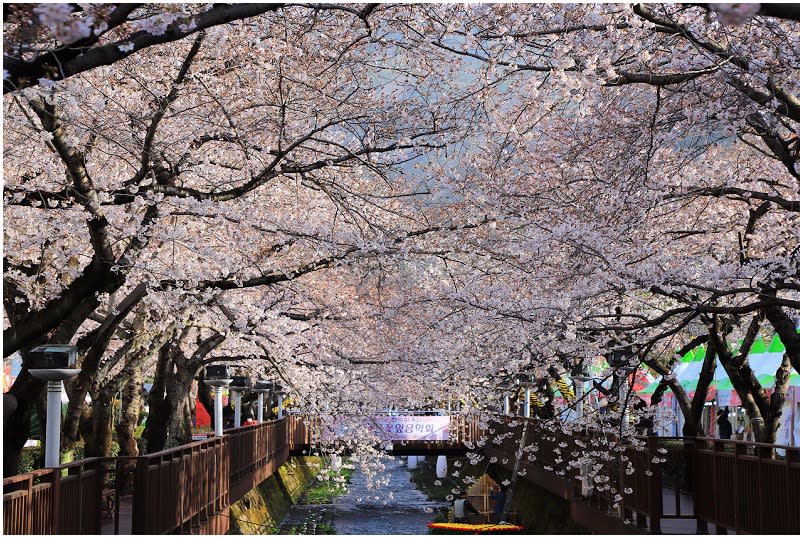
x=64, y=63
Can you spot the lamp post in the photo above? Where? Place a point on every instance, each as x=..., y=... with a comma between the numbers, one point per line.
x=281, y=393
x=262, y=388
x=586, y=482
x=53, y=363
x=218, y=376
x=239, y=385
x=618, y=360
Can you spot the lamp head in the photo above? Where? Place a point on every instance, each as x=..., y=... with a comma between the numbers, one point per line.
x=241, y=383
x=53, y=362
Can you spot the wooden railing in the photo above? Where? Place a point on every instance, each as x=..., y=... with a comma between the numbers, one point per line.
x=180, y=489
x=300, y=431
x=54, y=501
x=733, y=484
x=255, y=453
x=741, y=486
x=190, y=488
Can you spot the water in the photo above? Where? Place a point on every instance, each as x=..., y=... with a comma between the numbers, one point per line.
x=406, y=511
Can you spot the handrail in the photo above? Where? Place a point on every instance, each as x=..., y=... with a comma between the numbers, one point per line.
x=183, y=488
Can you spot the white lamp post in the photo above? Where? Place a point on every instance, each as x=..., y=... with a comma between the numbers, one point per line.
x=281, y=395
x=586, y=482
x=239, y=385
x=262, y=388
x=218, y=376
x=53, y=363
x=506, y=404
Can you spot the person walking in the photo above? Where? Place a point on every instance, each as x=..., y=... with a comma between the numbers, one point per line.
x=725, y=427
x=499, y=498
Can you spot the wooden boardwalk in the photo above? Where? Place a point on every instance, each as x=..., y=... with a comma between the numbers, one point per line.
x=125, y=518
x=685, y=524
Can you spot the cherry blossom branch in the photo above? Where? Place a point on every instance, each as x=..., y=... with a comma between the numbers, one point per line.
x=64, y=63
x=744, y=195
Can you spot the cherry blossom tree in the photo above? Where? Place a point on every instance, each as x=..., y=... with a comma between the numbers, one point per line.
x=403, y=205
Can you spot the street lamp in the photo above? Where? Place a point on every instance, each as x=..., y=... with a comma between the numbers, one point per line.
x=619, y=359
x=239, y=385
x=281, y=393
x=218, y=376
x=580, y=380
x=262, y=388
x=525, y=381
x=53, y=363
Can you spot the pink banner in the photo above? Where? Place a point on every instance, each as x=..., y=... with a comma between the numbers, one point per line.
x=414, y=428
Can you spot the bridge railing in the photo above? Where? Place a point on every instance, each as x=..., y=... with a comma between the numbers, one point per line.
x=255, y=453
x=739, y=484
x=749, y=487
x=180, y=489
x=54, y=501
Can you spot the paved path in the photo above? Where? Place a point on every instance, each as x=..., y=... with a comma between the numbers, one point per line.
x=125, y=520
x=680, y=526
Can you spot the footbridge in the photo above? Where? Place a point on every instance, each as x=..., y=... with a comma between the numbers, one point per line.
x=187, y=489
x=677, y=485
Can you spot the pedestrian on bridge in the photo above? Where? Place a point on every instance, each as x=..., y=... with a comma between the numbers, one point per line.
x=725, y=427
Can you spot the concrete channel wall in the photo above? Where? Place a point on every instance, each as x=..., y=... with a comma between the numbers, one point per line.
x=263, y=508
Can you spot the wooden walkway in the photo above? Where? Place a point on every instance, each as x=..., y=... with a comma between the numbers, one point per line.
x=685, y=524
x=190, y=489
x=125, y=518
x=739, y=486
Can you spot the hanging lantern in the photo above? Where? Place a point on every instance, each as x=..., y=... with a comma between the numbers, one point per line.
x=412, y=462
x=441, y=467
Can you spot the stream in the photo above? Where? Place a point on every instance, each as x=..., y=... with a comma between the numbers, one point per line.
x=406, y=511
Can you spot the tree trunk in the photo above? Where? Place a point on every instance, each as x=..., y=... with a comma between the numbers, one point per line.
x=155, y=430
x=130, y=409
x=772, y=420
x=786, y=329
x=99, y=444
x=694, y=424
x=131, y=405
x=17, y=428
x=179, y=429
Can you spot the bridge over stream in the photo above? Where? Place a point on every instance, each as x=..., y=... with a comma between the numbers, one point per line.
x=190, y=489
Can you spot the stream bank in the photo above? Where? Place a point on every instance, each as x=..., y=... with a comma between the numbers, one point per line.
x=262, y=509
